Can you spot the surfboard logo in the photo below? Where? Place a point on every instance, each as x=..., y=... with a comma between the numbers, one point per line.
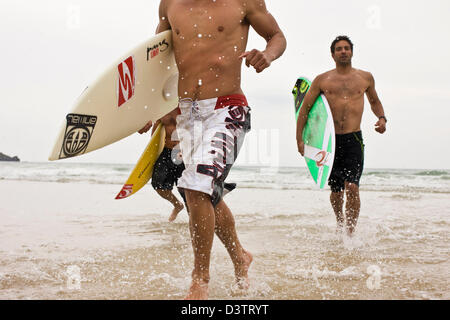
x=126, y=191
x=154, y=50
x=78, y=133
x=126, y=80
x=304, y=87
x=321, y=158
x=300, y=89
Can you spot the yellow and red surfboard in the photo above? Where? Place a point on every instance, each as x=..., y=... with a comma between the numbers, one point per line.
x=143, y=170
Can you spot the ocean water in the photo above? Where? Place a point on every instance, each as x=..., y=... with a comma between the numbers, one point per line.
x=283, y=178
x=63, y=236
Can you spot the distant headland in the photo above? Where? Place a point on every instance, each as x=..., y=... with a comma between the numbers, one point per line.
x=4, y=157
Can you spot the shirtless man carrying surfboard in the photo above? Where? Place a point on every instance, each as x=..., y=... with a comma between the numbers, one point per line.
x=344, y=88
x=209, y=40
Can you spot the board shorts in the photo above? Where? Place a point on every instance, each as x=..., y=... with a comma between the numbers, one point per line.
x=167, y=170
x=211, y=133
x=348, y=161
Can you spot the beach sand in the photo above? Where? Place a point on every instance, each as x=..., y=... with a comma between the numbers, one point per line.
x=74, y=241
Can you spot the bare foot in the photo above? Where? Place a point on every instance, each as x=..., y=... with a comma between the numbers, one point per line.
x=350, y=232
x=339, y=229
x=197, y=291
x=241, y=272
x=175, y=212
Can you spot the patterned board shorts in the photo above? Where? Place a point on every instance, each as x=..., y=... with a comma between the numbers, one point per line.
x=211, y=133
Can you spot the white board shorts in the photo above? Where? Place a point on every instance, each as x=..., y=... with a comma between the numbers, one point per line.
x=211, y=133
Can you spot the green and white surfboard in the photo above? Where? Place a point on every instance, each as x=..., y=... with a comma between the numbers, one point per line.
x=318, y=134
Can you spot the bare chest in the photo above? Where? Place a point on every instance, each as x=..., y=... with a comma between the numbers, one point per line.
x=344, y=88
x=205, y=19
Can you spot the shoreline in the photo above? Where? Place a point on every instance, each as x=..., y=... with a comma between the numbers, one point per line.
x=127, y=249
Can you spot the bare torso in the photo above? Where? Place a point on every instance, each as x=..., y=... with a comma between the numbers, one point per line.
x=345, y=95
x=208, y=40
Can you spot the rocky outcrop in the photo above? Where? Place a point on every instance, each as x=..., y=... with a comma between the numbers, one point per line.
x=4, y=157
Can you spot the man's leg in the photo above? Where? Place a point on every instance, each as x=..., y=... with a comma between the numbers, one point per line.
x=169, y=196
x=352, y=206
x=337, y=202
x=201, y=224
x=226, y=231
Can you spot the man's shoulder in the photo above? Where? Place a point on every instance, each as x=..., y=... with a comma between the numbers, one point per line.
x=324, y=75
x=251, y=5
x=365, y=74
x=165, y=4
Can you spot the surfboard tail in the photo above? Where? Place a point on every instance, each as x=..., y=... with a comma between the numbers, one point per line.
x=143, y=169
x=127, y=190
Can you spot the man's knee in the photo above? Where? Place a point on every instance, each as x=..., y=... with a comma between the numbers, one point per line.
x=336, y=196
x=352, y=189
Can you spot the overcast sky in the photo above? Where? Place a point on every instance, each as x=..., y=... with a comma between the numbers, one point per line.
x=52, y=49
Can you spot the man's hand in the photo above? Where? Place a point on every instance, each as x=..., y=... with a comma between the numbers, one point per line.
x=146, y=128
x=380, y=126
x=301, y=147
x=257, y=59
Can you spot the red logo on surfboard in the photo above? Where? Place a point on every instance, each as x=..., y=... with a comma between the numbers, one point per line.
x=321, y=158
x=126, y=191
x=126, y=80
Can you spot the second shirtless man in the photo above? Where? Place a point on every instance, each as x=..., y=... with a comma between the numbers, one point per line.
x=209, y=40
x=344, y=88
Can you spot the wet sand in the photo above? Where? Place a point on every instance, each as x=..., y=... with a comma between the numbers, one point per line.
x=74, y=241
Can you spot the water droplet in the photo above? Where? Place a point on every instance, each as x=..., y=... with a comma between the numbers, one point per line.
x=199, y=82
x=199, y=35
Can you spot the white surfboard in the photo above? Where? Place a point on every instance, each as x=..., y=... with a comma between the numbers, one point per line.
x=140, y=86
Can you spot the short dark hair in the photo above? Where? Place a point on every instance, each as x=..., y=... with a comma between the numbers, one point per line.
x=339, y=38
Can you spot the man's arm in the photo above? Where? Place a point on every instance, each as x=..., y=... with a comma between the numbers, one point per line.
x=308, y=102
x=164, y=23
x=267, y=27
x=375, y=103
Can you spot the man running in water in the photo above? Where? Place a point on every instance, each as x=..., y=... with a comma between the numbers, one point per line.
x=209, y=40
x=344, y=88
